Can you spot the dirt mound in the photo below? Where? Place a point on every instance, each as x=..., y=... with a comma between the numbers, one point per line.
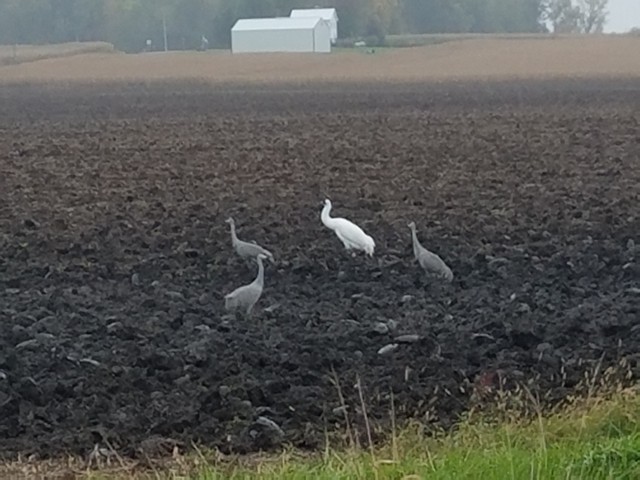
x=114, y=257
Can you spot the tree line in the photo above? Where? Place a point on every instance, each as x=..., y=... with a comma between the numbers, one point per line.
x=128, y=24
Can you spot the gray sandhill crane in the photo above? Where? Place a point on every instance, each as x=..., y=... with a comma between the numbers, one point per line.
x=429, y=261
x=246, y=250
x=245, y=297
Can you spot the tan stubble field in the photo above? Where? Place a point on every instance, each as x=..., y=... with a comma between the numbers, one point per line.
x=492, y=58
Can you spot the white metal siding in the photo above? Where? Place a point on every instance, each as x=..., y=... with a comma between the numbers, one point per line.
x=282, y=40
x=328, y=14
x=334, y=30
x=322, y=38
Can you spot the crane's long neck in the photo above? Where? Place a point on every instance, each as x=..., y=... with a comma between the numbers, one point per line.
x=234, y=237
x=260, y=278
x=416, y=242
x=326, y=219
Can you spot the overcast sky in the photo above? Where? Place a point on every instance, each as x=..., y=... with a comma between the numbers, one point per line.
x=623, y=15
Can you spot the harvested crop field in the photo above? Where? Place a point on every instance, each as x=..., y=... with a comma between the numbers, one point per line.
x=114, y=256
x=488, y=58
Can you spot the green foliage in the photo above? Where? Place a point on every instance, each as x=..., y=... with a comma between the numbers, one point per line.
x=128, y=24
x=596, y=440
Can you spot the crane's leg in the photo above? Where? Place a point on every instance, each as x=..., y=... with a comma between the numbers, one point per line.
x=419, y=278
x=347, y=245
x=251, y=308
x=349, y=248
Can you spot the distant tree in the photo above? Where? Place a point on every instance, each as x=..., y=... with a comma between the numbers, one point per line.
x=352, y=17
x=505, y=16
x=129, y=24
x=563, y=15
x=189, y=20
x=486, y=16
x=77, y=20
x=593, y=15
x=386, y=13
x=375, y=32
x=577, y=16
x=25, y=21
x=437, y=16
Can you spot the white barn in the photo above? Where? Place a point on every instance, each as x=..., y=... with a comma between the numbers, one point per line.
x=327, y=14
x=283, y=34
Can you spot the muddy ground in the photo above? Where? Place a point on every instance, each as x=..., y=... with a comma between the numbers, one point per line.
x=114, y=256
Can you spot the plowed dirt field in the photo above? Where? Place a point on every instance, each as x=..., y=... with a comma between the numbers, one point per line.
x=114, y=256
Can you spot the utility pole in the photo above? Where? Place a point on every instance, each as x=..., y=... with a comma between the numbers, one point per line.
x=164, y=30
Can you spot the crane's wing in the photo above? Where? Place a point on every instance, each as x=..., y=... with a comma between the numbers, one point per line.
x=351, y=232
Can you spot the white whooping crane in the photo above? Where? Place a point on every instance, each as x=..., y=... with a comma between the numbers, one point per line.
x=348, y=232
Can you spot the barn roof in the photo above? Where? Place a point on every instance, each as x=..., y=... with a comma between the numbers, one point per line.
x=324, y=13
x=278, y=23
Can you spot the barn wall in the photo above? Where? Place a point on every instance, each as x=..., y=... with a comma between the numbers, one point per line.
x=322, y=38
x=334, y=30
x=309, y=13
x=246, y=41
